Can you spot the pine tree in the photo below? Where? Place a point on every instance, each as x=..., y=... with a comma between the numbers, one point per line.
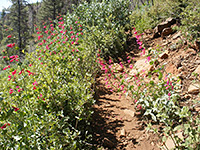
x=2, y=21
x=18, y=20
x=50, y=9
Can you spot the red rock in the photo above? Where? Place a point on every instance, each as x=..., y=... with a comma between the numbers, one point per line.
x=159, y=28
x=197, y=70
x=171, y=68
x=194, y=88
x=170, y=144
x=166, y=31
x=141, y=66
x=178, y=34
x=190, y=51
x=197, y=45
x=122, y=133
x=108, y=143
x=164, y=55
x=129, y=112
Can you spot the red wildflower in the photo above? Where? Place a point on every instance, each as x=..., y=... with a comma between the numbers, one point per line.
x=35, y=83
x=9, y=45
x=11, y=91
x=5, y=125
x=14, y=72
x=15, y=108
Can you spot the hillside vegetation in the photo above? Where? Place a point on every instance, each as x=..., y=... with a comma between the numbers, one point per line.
x=47, y=92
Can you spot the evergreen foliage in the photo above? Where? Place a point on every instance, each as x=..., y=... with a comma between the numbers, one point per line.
x=50, y=9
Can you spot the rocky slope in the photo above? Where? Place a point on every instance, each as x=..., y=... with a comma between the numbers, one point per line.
x=117, y=125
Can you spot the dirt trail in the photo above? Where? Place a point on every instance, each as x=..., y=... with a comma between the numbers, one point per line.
x=117, y=125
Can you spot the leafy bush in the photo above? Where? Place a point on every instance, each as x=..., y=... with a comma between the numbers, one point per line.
x=46, y=99
x=190, y=21
x=105, y=21
x=148, y=16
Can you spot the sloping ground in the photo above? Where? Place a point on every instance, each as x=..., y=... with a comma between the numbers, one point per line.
x=117, y=125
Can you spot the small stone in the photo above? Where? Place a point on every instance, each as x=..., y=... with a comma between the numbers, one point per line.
x=194, y=88
x=129, y=112
x=197, y=70
x=108, y=143
x=123, y=133
x=117, y=67
x=171, y=20
x=178, y=34
x=197, y=109
x=152, y=143
x=187, y=96
x=197, y=45
x=164, y=55
x=180, y=69
x=170, y=144
x=166, y=31
x=166, y=43
x=141, y=66
x=182, y=75
x=98, y=135
x=190, y=51
x=197, y=62
x=171, y=68
x=125, y=143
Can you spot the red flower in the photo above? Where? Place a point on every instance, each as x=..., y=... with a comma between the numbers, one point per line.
x=5, y=125
x=35, y=83
x=9, y=36
x=5, y=68
x=9, y=45
x=148, y=58
x=15, y=108
x=11, y=91
x=14, y=72
x=139, y=106
x=21, y=71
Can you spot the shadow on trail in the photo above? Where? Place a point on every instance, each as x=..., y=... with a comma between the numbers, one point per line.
x=103, y=129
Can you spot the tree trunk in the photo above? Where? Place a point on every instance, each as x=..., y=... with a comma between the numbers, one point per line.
x=142, y=2
x=19, y=26
x=54, y=12
x=152, y=2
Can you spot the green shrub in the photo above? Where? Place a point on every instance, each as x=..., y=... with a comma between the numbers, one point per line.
x=148, y=16
x=105, y=21
x=45, y=102
x=191, y=21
